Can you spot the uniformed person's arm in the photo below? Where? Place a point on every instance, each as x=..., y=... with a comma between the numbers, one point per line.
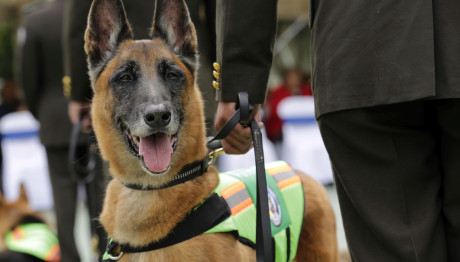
x=74, y=55
x=29, y=67
x=79, y=88
x=245, y=35
x=245, y=38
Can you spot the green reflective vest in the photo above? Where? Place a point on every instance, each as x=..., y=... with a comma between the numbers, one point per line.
x=286, y=203
x=35, y=239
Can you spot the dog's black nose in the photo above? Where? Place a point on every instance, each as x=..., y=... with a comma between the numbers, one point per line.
x=157, y=116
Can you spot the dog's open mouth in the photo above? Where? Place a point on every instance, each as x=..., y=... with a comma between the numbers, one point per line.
x=155, y=150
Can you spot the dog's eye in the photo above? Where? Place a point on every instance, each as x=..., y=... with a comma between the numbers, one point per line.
x=125, y=77
x=172, y=75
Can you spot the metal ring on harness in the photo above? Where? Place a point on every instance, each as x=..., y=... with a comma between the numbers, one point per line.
x=82, y=158
x=116, y=258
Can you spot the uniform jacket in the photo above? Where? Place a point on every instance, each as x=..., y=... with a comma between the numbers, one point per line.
x=41, y=73
x=381, y=52
x=245, y=37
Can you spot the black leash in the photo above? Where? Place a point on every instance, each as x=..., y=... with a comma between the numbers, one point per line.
x=264, y=244
x=82, y=158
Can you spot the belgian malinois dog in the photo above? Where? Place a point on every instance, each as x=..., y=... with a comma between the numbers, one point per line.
x=147, y=114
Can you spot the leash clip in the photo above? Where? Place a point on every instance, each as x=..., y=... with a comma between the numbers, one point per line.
x=214, y=154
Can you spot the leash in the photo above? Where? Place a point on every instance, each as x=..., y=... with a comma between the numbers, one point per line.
x=82, y=158
x=264, y=242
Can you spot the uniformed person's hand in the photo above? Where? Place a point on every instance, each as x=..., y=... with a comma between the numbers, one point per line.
x=75, y=110
x=239, y=141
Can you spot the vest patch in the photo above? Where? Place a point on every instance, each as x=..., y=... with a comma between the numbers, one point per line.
x=274, y=208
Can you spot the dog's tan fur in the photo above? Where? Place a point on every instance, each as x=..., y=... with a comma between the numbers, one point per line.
x=140, y=217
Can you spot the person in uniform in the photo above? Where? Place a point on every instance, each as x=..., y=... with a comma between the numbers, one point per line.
x=41, y=70
x=386, y=82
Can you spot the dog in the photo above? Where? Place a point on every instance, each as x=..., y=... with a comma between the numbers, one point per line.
x=147, y=114
x=25, y=236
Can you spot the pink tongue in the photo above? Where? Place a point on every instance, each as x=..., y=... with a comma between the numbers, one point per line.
x=156, y=150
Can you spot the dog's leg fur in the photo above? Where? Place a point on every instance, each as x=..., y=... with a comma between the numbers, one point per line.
x=318, y=239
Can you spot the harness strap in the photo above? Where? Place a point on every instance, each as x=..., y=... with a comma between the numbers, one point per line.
x=206, y=216
x=188, y=172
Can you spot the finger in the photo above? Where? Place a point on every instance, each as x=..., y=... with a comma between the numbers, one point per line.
x=231, y=150
x=242, y=134
x=240, y=146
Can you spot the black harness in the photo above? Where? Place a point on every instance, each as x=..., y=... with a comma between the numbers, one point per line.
x=210, y=213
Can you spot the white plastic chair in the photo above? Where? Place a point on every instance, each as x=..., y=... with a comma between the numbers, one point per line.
x=24, y=161
x=302, y=145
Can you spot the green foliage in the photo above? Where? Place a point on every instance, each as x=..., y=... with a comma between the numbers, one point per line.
x=6, y=50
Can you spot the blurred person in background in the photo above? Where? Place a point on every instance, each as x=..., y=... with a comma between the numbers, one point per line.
x=41, y=71
x=294, y=84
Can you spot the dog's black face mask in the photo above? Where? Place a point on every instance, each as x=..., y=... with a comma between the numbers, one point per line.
x=147, y=78
x=149, y=109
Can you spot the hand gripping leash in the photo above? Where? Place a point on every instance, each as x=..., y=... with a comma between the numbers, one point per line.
x=264, y=242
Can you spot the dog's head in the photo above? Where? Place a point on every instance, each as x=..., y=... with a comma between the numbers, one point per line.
x=146, y=109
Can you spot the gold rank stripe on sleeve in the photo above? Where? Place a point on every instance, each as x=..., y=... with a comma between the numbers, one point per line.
x=237, y=197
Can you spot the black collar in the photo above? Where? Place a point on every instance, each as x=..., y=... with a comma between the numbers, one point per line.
x=187, y=173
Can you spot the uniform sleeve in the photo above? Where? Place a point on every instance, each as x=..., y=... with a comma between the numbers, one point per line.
x=29, y=67
x=75, y=18
x=245, y=35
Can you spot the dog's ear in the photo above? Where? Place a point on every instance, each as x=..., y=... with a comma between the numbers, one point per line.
x=2, y=199
x=107, y=28
x=23, y=195
x=171, y=21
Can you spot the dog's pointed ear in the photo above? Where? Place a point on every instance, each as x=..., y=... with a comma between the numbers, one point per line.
x=107, y=28
x=23, y=195
x=171, y=21
x=2, y=199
